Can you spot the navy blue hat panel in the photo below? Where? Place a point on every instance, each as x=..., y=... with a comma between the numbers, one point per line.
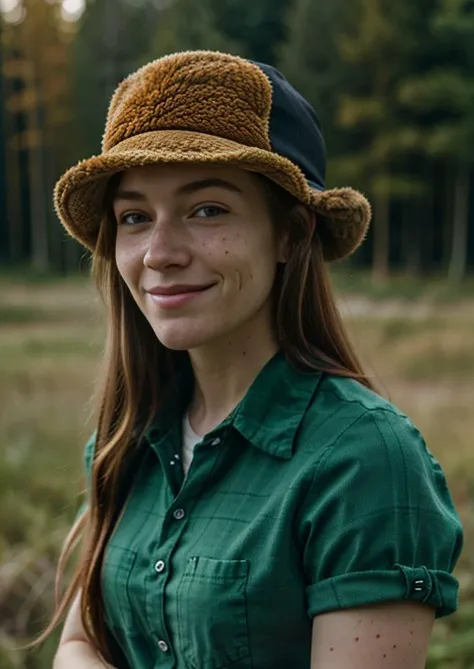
x=295, y=131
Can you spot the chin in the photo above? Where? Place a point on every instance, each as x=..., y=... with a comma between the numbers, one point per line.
x=183, y=338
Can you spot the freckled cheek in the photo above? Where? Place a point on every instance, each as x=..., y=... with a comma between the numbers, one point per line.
x=215, y=247
x=250, y=278
x=130, y=266
x=238, y=261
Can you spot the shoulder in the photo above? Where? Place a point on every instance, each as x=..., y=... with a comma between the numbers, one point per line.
x=348, y=420
x=340, y=392
x=377, y=515
x=361, y=446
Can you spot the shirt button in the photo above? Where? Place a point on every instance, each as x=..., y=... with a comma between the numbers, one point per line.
x=179, y=514
x=163, y=646
x=159, y=566
x=216, y=441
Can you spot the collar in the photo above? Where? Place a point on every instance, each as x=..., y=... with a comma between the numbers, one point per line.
x=268, y=416
x=274, y=406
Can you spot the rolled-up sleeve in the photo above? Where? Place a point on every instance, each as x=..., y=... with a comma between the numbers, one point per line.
x=378, y=523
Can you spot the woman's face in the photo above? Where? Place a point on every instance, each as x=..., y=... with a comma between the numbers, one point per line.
x=198, y=250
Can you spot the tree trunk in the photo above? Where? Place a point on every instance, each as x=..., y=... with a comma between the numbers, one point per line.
x=15, y=213
x=12, y=174
x=4, y=236
x=112, y=67
x=458, y=260
x=36, y=168
x=417, y=235
x=381, y=230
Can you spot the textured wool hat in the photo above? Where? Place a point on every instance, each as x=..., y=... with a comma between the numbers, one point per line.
x=209, y=107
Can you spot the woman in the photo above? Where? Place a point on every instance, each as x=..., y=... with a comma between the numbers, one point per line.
x=252, y=503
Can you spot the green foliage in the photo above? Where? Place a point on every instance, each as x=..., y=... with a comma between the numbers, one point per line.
x=391, y=83
x=243, y=27
x=378, y=60
x=258, y=28
x=351, y=76
x=311, y=58
x=177, y=31
x=442, y=96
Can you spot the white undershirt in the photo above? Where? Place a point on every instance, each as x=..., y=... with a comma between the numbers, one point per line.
x=190, y=439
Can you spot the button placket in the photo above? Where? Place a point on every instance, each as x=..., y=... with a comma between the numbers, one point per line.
x=163, y=646
x=176, y=523
x=160, y=566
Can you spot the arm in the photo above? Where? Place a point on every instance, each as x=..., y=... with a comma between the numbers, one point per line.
x=74, y=651
x=393, y=636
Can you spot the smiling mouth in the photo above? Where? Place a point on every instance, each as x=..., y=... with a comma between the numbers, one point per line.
x=178, y=299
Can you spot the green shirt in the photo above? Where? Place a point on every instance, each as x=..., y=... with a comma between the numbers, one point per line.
x=314, y=495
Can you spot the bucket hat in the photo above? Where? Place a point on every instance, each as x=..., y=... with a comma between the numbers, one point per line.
x=206, y=107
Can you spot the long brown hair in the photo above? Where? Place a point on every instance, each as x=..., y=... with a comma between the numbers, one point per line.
x=138, y=372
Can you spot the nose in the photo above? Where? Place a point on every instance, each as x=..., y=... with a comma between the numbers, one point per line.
x=167, y=246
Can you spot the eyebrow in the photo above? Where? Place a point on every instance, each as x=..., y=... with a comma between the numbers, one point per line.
x=186, y=189
x=194, y=186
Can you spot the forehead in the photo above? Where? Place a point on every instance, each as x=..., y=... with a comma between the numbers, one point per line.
x=172, y=176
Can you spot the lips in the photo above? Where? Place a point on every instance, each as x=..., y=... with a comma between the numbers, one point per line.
x=176, y=296
x=178, y=289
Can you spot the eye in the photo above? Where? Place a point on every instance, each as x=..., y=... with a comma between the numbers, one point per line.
x=132, y=218
x=210, y=211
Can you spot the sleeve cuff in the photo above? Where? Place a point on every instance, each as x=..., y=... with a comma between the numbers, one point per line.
x=435, y=588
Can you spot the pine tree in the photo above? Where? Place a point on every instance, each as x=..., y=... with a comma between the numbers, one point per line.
x=258, y=27
x=345, y=57
x=4, y=233
x=36, y=71
x=251, y=29
x=188, y=26
x=379, y=50
x=311, y=58
x=442, y=99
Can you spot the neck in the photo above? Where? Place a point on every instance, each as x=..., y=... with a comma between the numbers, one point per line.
x=224, y=371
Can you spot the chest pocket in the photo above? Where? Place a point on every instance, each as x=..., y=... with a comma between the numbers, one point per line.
x=212, y=614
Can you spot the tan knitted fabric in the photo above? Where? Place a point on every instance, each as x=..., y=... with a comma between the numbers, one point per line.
x=199, y=107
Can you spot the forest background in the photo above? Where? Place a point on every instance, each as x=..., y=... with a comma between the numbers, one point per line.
x=393, y=85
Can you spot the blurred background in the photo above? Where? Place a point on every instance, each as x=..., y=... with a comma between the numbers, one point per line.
x=393, y=85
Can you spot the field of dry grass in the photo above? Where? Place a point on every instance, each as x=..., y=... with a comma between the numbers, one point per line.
x=421, y=353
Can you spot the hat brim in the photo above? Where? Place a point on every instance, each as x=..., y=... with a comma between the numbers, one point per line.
x=79, y=193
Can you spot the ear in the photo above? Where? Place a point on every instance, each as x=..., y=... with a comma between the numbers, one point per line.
x=283, y=249
x=300, y=211
x=306, y=214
